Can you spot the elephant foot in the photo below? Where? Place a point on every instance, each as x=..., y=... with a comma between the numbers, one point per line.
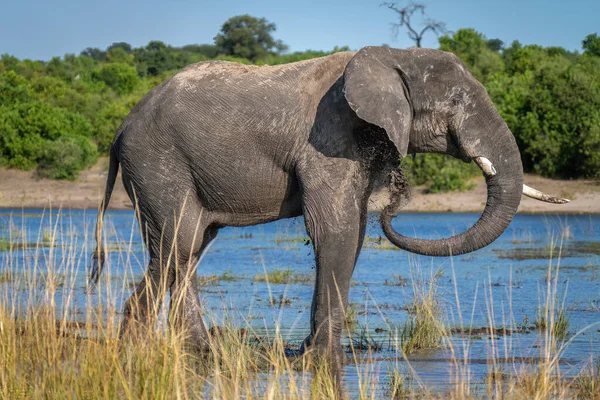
x=327, y=364
x=333, y=355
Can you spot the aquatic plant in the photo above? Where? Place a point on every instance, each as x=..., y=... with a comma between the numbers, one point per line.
x=52, y=350
x=587, y=384
x=399, y=385
x=6, y=276
x=396, y=280
x=282, y=276
x=424, y=330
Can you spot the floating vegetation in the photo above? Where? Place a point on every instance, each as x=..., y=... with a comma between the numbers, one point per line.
x=396, y=280
x=283, y=276
x=575, y=249
x=378, y=243
x=282, y=301
x=297, y=239
x=8, y=245
x=208, y=280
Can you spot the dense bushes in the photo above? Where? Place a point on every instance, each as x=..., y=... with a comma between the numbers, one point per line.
x=65, y=157
x=59, y=115
x=549, y=97
x=439, y=172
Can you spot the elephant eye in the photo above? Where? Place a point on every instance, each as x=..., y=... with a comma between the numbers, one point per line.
x=457, y=98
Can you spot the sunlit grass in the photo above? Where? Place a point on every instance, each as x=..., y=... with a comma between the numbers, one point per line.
x=425, y=328
x=69, y=350
x=283, y=276
x=208, y=280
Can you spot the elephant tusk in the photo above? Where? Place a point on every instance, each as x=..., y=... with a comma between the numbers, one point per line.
x=486, y=166
x=536, y=194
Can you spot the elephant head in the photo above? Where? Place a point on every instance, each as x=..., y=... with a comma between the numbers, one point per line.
x=428, y=101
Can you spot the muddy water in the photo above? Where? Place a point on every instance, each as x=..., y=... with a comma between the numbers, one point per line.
x=504, y=285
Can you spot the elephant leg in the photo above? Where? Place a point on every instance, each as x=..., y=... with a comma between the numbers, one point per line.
x=335, y=221
x=175, y=238
x=143, y=305
x=186, y=312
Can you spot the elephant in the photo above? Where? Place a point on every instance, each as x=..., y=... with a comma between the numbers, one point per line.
x=225, y=144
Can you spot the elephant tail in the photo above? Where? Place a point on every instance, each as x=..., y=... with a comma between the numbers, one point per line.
x=99, y=254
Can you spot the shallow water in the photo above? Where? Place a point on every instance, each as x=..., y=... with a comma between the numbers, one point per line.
x=504, y=284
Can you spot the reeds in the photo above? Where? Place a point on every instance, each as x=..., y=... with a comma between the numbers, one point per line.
x=58, y=340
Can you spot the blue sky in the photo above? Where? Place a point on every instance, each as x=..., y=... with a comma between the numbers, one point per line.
x=41, y=29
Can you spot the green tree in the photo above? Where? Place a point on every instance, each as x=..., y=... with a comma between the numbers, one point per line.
x=94, y=53
x=591, y=45
x=154, y=59
x=207, y=50
x=495, y=44
x=27, y=128
x=14, y=89
x=118, y=55
x=65, y=157
x=122, y=78
x=474, y=50
x=126, y=47
x=551, y=102
x=248, y=37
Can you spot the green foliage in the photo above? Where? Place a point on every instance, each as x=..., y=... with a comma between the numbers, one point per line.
x=14, y=89
x=591, y=44
x=282, y=276
x=108, y=120
x=549, y=97
x=65, y=157
x=475, y=51
x=551, y=102
x=26, y=129
x=248, y=37
x=122, y=78
x=440, y=173
x=119, y=55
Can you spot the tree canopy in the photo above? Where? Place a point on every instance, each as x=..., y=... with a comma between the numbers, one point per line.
x=248, y=37
x=58, y=116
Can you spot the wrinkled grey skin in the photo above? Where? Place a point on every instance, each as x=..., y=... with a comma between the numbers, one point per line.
x=223, y=144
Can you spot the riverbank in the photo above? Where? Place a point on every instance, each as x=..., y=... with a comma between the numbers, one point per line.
x=22, y=189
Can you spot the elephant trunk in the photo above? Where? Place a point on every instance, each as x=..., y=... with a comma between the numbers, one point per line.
x=504, y=178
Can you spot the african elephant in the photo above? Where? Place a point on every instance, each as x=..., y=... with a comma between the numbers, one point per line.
x=224, y=144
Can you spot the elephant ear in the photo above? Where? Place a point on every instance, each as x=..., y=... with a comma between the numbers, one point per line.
x=376, y=89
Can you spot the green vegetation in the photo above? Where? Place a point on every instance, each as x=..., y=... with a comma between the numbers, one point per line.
x=249, y=38
x=43, y=338
x=396, y=280
x=575, y=249
x=399, y=385
x=424, y=329
x=58, y=116
x=283, y=276
x=587, y=384
x=209, y=280
x=440, y=173
x=560, y=323
x=6, y=276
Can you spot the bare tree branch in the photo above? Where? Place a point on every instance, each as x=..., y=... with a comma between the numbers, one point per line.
x=406, y=13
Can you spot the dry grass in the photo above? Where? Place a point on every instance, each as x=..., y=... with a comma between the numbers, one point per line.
x=71, y=350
